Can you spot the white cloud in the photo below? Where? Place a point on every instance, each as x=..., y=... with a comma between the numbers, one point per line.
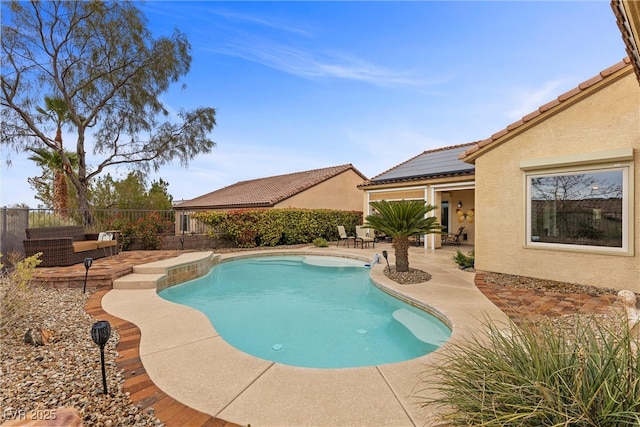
x=527, y=100
x=314, y=64
x=266, y=22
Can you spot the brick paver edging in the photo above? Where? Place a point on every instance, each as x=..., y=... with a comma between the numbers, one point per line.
x=531, y=304
x=142, y=390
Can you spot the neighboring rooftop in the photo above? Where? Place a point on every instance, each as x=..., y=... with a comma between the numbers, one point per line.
x=441, y=162
x=265, y=192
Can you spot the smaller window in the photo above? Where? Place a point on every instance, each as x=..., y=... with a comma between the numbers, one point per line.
x=578, y=209
x=184, y=223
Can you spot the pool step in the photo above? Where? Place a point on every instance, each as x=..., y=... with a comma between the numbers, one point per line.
x=417, y=325
x=162, y=266
x=165, y=273
x=138, y=281
x=280, y=263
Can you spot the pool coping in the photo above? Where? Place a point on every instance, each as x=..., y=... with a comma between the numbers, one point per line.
x=214, y=378
x=143, y=392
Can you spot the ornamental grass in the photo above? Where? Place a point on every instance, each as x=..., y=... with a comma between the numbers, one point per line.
x=16, y=296
x=582, y=371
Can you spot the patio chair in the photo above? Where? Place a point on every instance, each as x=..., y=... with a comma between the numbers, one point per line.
x=344, y=237
x=417, y=240
x=379, y=236
x=362, y=234
x=452, y=239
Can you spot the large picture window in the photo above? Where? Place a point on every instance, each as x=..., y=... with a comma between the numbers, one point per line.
x=582, y=208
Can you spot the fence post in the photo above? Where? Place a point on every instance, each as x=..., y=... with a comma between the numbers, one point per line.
x=3, y=234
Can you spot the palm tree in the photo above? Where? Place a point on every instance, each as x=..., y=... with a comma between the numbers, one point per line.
x=52, y=161
x=57, y=110
x=401, y=220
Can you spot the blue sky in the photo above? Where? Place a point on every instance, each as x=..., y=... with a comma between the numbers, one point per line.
x=306, y=85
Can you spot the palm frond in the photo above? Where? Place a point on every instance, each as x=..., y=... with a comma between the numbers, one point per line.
x=404, y=218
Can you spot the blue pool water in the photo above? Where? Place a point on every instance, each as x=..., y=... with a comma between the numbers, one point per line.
x=310, y=311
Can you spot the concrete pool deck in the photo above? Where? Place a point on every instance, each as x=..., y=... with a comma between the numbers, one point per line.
x=186, y=358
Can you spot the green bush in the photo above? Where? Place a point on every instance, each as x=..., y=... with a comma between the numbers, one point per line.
x=271, y=227
x=581, y=374
x=320, y=242
x=146, y=229
x=464, y=261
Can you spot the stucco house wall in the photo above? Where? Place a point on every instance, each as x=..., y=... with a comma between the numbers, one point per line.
x=339, y=192
x=416, y=192
x=598, y=121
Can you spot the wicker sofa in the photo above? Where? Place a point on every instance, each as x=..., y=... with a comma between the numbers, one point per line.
x=66, y=245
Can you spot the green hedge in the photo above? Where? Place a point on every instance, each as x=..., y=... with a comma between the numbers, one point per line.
x=271, y=227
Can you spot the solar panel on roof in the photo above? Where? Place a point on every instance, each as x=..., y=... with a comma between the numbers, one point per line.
x=440, y=162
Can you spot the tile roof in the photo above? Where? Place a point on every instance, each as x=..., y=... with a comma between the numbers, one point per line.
x=441, y=162
x=566, y=99
x=627, y=15
x=264, y=192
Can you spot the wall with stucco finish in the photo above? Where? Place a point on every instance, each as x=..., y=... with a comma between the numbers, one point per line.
x=339, y=192
x=607, y=119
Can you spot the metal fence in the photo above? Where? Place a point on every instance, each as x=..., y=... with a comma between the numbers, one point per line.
x=102, y=218
x=14, y=222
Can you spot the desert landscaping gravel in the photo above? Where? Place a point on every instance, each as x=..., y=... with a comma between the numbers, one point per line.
x=66, y=371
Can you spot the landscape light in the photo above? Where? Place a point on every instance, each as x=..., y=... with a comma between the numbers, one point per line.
x=87, y=265
x=100, y=333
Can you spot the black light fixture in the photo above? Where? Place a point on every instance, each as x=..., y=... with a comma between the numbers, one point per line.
x=100, y=333
x=182, y=243
x=459, y=204
x=87, y=265
x=385, y=254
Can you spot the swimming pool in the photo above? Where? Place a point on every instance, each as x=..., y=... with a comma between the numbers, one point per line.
x=309, y=311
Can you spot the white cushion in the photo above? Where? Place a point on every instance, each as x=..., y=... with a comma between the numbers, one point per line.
x=105, y=236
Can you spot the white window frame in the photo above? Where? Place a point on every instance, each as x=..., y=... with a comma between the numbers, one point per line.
x=585, y=163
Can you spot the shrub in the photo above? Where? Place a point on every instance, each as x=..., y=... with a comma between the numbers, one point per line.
x=145, y=229
x=271, y=227
x=148, y=228
x=320, y=242
x=464, y=261
x=585, y=374
x=15, y=292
